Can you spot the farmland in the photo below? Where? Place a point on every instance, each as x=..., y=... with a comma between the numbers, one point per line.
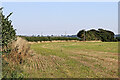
x=73, y=60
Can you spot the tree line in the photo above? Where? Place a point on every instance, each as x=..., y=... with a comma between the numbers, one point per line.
x=47, y=38
x=82, y=35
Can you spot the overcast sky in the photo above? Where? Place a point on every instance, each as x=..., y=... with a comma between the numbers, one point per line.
x=47, y=18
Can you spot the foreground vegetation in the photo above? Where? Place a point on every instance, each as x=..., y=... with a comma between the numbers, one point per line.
x=13, y=62
x=67, y=60
x=7, y=32
x=74, y=60
x=77, y=59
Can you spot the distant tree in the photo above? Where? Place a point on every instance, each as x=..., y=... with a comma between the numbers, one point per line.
x=92, y=35
x=117, y=39
x=106, y=35
x=49, y=38
x=81, y=34
x=100, y=34
x=38, y=35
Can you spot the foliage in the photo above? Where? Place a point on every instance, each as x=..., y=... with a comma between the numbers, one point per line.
x=118, y=38
x=100, y=34
x=81, y=34
x=7, y=31
x=35, y=39
x=12, y=63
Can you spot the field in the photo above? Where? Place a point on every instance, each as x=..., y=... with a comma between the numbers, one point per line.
x=73, y=60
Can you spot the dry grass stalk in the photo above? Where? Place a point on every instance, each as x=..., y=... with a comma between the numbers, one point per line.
x=19, y=51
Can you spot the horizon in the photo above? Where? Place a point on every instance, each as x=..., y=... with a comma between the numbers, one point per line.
x=54, y=35
x=62, y=34
x=60, y=18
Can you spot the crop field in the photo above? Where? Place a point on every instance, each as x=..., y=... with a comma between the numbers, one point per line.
x=73, y=60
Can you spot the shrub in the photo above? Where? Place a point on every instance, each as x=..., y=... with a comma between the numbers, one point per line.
x=8, y=32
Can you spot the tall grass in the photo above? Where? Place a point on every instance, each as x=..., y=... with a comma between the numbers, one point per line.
x=13, y=61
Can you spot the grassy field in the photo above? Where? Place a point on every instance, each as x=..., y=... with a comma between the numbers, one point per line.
x=73, y=60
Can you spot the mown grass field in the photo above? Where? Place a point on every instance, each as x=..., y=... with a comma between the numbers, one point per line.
x=73, y=60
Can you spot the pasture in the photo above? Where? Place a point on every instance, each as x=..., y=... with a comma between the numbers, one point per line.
x=73, y=60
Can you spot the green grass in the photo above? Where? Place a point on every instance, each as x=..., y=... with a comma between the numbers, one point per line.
x=76, y=60
x=68, y=60
x=96, y=46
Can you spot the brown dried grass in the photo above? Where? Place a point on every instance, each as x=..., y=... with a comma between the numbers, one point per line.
x=19, y=51
x=62, y=41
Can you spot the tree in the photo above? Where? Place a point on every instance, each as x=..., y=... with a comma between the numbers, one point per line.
x=106, y=35
x=81, y=34
x=92, y=35
x=7, y=30
x=100, y=34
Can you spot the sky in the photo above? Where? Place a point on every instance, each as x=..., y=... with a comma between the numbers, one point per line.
x=59, y=18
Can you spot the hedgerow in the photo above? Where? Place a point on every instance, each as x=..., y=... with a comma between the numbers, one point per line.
x=48, y=38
